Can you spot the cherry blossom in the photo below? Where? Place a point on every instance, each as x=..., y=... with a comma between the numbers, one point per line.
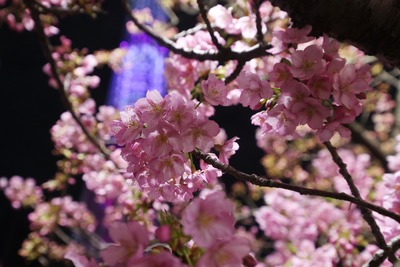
x=131, y=240
x=209, y=219
x=253, y=89
x=79, y=260
x=159, y=260
x=228, y=252
x=215, y=92
x=307, y=63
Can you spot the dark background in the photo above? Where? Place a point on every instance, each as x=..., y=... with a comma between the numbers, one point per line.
x=29, y=108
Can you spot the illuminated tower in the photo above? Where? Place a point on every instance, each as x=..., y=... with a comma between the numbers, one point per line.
x=143, y=66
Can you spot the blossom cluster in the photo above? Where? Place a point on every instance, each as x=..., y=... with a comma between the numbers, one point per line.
x=310, y=86
x=157, y=134
x=75, y=67
x=18, y=16
x=300, y=81
x=21, y=192
x=316, y=88
x=63, y=212
x=208, y=220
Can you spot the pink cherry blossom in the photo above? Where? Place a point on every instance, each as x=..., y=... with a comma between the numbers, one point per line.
x=163, y=233
x=151, y=107
x=228, y=149
x=330, y=46
x=21, y=192
x=79, y=260
x=293, y=92
x=220, y=16
x=131, y=240
x=215, y=91
x=346, y=87
x=329, y=129
x=307, y=63
x=280, y=74
x=273, y=223
x=247, y=26
x=162, y=259
x=279, y=120
x=61, y=211
x=168, y=166
x=225, y=253
x=129, y=128
x=320, y=86
x=253, y=89
x=200, y=134
x=310, y=111
x=294, y=35
x=210, y=219
x=180, y=112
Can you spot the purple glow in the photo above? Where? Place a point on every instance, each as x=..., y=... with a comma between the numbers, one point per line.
x=143, y=69
x=124, y=44
x=143, y=66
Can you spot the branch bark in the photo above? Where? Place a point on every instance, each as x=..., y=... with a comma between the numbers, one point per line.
x=380, y=256
x=371, y=25
x=47, y=50
x=366, y=213
x=223, y=55
x=268, y=182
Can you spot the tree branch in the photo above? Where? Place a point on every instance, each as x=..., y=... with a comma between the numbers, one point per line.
x=366, y=213
x=380, y=256
x=236, y=72
x=267, y=182
x=210, y=30
x=47, y=48
x=260, y=36
x=191, y=31
x=62, y=11
x=218, y=55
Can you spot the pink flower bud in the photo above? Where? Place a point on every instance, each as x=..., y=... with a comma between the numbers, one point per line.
x=163, y=233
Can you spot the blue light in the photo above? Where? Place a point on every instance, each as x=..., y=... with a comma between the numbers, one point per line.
x=143, y=66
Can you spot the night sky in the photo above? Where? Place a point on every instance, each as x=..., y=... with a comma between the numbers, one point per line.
x=29, y=107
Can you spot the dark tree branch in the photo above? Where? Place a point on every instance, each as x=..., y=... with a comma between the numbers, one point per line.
x=267, y=182
x=191, y=31
x=260, y=35
x=380, y=256
x=371, y=25
x=236, y=72
x=47, y=48
x=218, y=55
x=366, y=213
x=210, y=30
x=61, y=11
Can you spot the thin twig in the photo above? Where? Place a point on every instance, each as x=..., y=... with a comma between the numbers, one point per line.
x=267, y=182
x=366, y=213
x=210, y=30
x=200, y=55
x=59, y=11
x=236, y=72
x=62, y=235
x=47, y=48
x=260, y=36
x=197, y=28
x=380, y=256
